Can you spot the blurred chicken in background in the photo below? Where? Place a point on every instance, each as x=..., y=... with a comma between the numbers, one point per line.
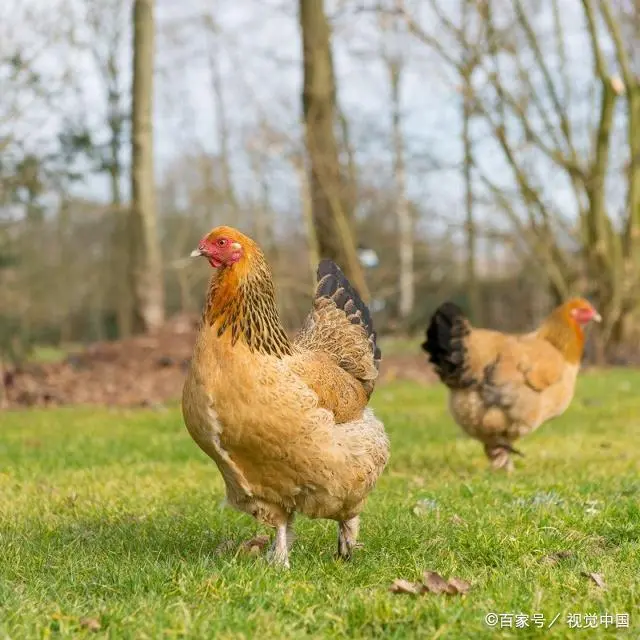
x=504, y=386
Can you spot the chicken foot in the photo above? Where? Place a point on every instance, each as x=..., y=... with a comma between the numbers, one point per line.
x=278, y=554
x=347, y=537
x=499, y=456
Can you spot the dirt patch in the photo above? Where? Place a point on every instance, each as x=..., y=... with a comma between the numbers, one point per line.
x=140, y=371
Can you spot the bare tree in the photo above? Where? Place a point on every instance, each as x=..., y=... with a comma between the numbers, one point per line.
x=332, y=219
x=463, y=60
x=527, y=105
x=394, y=61
x=222, y=123
x=467, y=67
x=146, y=267
x=107, y=23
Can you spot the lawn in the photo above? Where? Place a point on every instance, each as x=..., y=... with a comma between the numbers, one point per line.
x=112, y=525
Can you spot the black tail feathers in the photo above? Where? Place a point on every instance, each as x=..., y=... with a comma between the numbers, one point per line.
x=445, y=344
x=332, y=283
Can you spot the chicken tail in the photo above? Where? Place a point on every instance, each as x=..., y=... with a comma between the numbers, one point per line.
x=333, y=284
x=445, y=344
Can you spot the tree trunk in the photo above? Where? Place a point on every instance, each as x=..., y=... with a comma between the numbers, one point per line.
x=119, y=248
x=222, y=125
x=403, y=212
x=473, y=294
x=307, y=215
x=331, y=218
x=262, y=222
x=146, y=266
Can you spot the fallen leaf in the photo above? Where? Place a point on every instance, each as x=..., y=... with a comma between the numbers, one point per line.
x=457, y=520
x=435, y=583
x=596, y=577
x=255, y=545
x=92, y=624
x=432, y=582
x=460, y=586
x=554, y=558
x=400, y=585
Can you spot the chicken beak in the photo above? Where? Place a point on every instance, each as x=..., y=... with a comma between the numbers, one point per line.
x=597, y=317
x=196, y=253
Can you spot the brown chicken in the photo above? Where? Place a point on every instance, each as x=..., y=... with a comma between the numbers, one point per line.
x=505, y=386
x=286, y=421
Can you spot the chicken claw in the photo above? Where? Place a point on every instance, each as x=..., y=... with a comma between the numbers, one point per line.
x=499, y=456
x=279, y=553
x=347, y=537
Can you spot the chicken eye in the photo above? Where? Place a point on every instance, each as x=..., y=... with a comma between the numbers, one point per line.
x=221, y=242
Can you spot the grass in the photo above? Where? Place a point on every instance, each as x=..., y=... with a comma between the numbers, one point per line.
x=115, y=517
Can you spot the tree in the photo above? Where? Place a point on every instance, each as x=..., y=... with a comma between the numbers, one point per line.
x=526, y=94
x=332, y=219
x=467, y=67
x=146, y=266
x=107, y=24
x=222, y=124
x=394, y=62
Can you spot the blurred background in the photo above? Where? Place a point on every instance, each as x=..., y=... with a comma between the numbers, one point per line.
x=484, y=151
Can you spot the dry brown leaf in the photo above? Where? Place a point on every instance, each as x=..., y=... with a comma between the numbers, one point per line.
x=92, y=624
x=400, y=585
x=255, y=545
x=435, y=583
x=460, y=586
x=432, y=582
x=596, y=577
x=554, y=558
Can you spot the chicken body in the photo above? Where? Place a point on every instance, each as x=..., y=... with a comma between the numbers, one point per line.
x=286, y=422
x=502, y=386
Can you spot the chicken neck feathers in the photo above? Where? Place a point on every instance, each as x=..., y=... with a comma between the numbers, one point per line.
x=242, y=302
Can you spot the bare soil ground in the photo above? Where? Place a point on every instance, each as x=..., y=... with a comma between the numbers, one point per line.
x=139, y=371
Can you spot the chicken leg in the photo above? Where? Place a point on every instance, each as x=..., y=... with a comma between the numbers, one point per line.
x=347, y=537
x=279, y=553
x=499, y=455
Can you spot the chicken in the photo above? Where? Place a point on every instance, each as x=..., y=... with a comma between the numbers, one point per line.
x=504, y=386
x=286, y=421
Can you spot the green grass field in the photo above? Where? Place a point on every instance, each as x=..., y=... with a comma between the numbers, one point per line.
x=114, y=519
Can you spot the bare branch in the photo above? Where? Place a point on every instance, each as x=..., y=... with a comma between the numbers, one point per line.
x=560, y=109
x=616, y=35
